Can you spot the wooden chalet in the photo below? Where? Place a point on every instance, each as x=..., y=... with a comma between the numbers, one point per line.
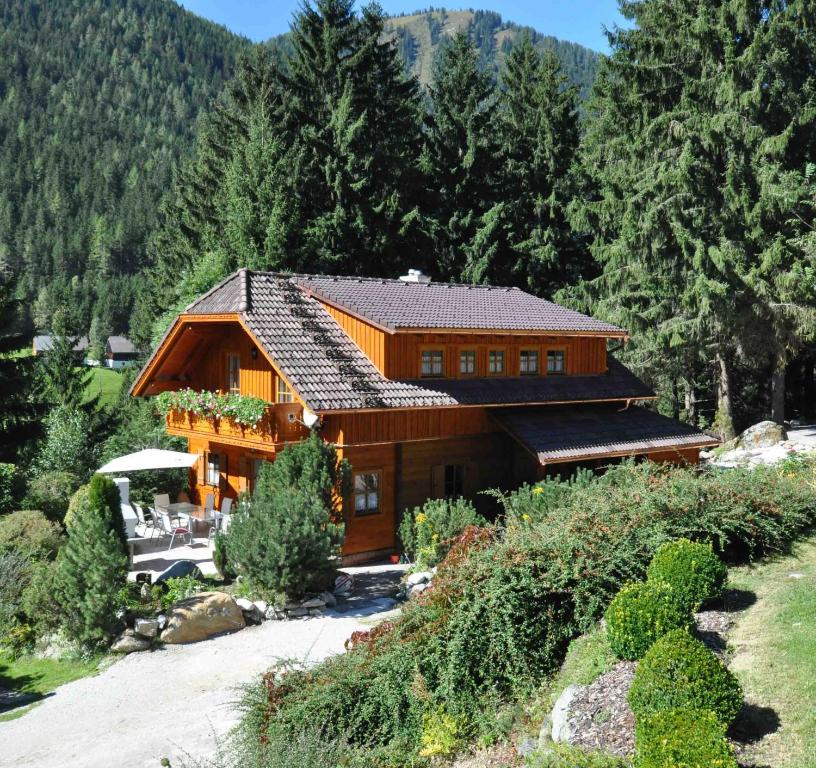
x=429, y=389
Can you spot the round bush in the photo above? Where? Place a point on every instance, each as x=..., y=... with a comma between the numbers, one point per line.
x=693, y=569
x=641, y=613
x=30, y=533
x=679, y=672
x=691, y=738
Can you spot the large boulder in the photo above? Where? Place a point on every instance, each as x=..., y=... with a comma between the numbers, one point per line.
x=128, y=642
x=178, y=570
x=201, y=616
x=762, y=435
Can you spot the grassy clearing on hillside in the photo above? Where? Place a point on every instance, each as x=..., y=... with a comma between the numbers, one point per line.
x=38, y=677
x=774, y=644
x=105, y=383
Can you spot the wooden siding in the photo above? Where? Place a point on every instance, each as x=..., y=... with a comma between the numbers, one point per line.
x=371, y=340
x=584, y=355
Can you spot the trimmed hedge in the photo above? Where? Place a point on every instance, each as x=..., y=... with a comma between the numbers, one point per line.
x=641, y=613
x=679, y=672
x=687, y=738
x=692, y=568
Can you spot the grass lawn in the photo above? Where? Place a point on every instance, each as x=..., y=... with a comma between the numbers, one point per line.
x=774, y=644
x=38, y=677
x=105, y=383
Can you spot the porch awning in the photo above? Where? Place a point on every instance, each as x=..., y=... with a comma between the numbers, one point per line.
x=149, y=458
x=556, y=434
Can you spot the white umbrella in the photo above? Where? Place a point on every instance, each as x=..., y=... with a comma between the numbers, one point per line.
x=150, y=458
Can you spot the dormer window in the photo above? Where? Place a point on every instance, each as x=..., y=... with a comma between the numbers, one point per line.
x=432, y=363
x=528, y=362
x=467, y=362
x=556, y=362
x=234, y=374
x=284, y=393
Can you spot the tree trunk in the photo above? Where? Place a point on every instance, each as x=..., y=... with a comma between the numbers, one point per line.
x=724, y=421
x=778, y=389
x=691, y=404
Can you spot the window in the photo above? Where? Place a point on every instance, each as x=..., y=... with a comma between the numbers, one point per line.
x=213, y=470
x=284, y=393
x=454, y=480
x=528, y=362
x=366, y=493
x=467, y=361
x=495, y=362
x=432, y=362
x=255, y=466
x=234, y=374
x=555, y=361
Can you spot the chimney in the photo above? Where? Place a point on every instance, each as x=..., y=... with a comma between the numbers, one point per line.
x=415, y=276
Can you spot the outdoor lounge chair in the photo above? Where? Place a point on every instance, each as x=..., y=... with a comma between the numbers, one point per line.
x=172, y=529
x=147, y=525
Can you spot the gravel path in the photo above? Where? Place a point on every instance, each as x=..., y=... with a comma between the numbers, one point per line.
x=171, y=702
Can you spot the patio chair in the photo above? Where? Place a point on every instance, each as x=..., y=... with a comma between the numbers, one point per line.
x=161, y=501
x=147, y=525
x=172, y=529
x=209, y=504
x=219, y=518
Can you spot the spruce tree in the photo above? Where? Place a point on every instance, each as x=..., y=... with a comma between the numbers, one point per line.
x=525, y=239
x=460, y=157
x=92, y=566
x=698, y=103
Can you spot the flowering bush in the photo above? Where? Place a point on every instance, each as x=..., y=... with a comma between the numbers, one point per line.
x=242, y=409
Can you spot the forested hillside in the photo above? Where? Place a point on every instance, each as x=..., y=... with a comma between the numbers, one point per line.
x=99, y=99
x=419, y=36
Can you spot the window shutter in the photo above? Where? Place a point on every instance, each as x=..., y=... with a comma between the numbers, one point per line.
x=438, y=481
x=223, y=472
x=201, y=470
x=244, y=470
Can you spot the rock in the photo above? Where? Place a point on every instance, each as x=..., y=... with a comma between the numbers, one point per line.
x=343, y=583
x=148, y=628
x=420, y=577
x=296, y=613
x=328, y=598
x=144, y=592
x=796, y=575
x=560, y=732
x=162, y=619
x=251, y=612
x=527, y=747
x=418, y=589
x=128, y=642
x=314, y=602
x=201, y=616
x=762, y=435
x=262, y=606
x=315, y=611
x=178, y=569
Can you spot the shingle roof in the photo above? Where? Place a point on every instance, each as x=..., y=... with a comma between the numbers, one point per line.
x=570, y=433
x=119, y=345
x=394, y=304
x=330, y=372
x=44, y=343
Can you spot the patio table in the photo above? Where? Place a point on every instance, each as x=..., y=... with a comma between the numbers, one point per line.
x=193, y=512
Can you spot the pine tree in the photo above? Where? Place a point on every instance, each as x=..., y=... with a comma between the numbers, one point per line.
x=20, y=413
x=525, y=239
x=92, y=566
x=460, y=156
x=694, y=107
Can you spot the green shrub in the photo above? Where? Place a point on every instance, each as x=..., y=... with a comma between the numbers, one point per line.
x=565, y=756
x=284, y=539
x=30, y=533
x=78, y=501
x=641, y=613
x=92, y=567
x=221, y=557
x=441, y=734
x=181, y=588
x=51, y=492
x=39, y=602
x=679, y=672
x=693, y=569
x=69, y=444
x=687, y=738
x=15, y=574
x=12, y=488
x=426, y=531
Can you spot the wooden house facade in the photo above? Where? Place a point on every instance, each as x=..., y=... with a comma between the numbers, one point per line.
x=430, y=390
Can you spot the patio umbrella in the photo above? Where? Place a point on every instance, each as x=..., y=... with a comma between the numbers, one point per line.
x=149, y=458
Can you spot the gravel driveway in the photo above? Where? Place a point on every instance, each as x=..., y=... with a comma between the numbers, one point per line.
x=172, y=702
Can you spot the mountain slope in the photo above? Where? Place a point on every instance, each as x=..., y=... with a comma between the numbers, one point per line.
x=98, y=100
x=420, y=34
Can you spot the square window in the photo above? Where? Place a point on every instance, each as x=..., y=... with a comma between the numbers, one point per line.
x=284, y=393
x=528, y=362
x=495, y=363
x=366, y=493
x=467, y=361
x=555, y=361
x=454, y=480
x=431, y=362
x=234, y=374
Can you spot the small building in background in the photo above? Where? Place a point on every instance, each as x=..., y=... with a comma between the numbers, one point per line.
x=119, y=352
x=44, y=343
